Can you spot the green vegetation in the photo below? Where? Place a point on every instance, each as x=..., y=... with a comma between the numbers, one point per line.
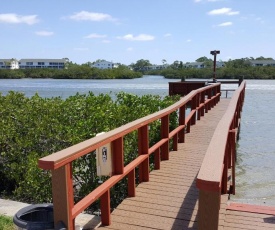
x=6, y=223
x=72, y=72
x=260, y=72
x=233, y=70
x=35, y=127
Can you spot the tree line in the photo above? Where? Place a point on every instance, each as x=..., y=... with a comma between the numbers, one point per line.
x=73, y=71
x=233, y=69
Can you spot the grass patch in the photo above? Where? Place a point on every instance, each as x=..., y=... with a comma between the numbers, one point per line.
x=6, y=223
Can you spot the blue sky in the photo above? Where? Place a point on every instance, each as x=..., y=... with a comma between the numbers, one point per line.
x=125, y=31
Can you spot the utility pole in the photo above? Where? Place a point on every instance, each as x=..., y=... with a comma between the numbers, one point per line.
x=214, y=52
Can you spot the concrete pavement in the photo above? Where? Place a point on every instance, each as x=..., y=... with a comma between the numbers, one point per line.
x=83, y=221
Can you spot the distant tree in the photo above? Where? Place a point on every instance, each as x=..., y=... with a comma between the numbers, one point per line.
x=175, y=64
x=141, y=64
x=98, y=60
x=87, y=64
x=263, y=58
x=208, y=62
x=203, y=59
x=164, y=61
x=238, y=63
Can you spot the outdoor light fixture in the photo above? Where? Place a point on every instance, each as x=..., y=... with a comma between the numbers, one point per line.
x=214, y=52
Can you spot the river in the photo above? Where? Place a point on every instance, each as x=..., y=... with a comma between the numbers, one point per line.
x=255, y=171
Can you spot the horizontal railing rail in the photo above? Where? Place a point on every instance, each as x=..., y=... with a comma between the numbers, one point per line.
x=212, y=180
x=60, y=163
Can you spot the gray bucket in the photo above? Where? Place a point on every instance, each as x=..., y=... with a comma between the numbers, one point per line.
x=35, y=217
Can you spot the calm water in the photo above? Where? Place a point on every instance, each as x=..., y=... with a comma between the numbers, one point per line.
x=64, y=88
x=256, y=151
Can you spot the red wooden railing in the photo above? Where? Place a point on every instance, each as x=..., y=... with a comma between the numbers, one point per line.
x=60, y=163
x=220, y=158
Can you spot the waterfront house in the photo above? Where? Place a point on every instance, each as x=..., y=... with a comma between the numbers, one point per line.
x=262, y=62
x=197, y=65
x=43, y=63
x=104, y=65
x=9, y=64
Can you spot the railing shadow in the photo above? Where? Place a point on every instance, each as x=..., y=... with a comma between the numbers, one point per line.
x=187, y=215
x=269, y=220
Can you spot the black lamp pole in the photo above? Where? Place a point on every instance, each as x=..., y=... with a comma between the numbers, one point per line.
x=214, y=52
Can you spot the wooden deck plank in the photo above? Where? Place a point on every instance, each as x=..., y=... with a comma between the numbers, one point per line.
x=170, y=199
x=247, y=220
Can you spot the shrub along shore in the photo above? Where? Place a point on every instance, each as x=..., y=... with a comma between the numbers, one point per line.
x=34, y=127
x=123, y=72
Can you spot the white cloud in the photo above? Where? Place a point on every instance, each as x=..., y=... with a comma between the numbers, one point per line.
x=225, y=24
x=260, y=20
x=223, y=11
x=188, y=40
x=44, y=33
x=167, y=35
x=91, y=16
x=96, y=36
x=106, y=41
x=197, y=0
x=130, y=49
x=140, y=37
x=81, y=49
x=17, y=19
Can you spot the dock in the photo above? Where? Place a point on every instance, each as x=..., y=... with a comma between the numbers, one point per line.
x=193, y=180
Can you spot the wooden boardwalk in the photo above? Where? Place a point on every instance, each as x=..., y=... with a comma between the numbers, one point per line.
x=170, y=199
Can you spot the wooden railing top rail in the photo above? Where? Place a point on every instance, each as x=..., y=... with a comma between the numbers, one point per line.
x=65, y=156
x=211, y=171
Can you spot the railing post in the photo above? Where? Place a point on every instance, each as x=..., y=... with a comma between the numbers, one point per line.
x=118, y=156
x=132, y=184
x=194, y=107
x=209, y=207
x=182, y=122
x=157, y=159
x=202, y=102
x=232, y=136
x=219, y=91
x=198, y=106
x=175, y=142
x=214, y=94
x=165, y=135
x=209, y=104
x=225, y=169
x=105, y=207
x=143, y=147
x=63, y=198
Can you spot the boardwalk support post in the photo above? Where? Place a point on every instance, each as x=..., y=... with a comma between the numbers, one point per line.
x=209, y=207
x=62, y=189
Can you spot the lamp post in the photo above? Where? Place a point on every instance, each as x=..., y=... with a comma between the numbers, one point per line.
x=214, y=52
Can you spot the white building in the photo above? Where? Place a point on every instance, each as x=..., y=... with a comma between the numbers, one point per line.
x=262, y=62
x=197, y=65
x=43, y=63
x=220, y=64
x=9, y=64
x=104, y=65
